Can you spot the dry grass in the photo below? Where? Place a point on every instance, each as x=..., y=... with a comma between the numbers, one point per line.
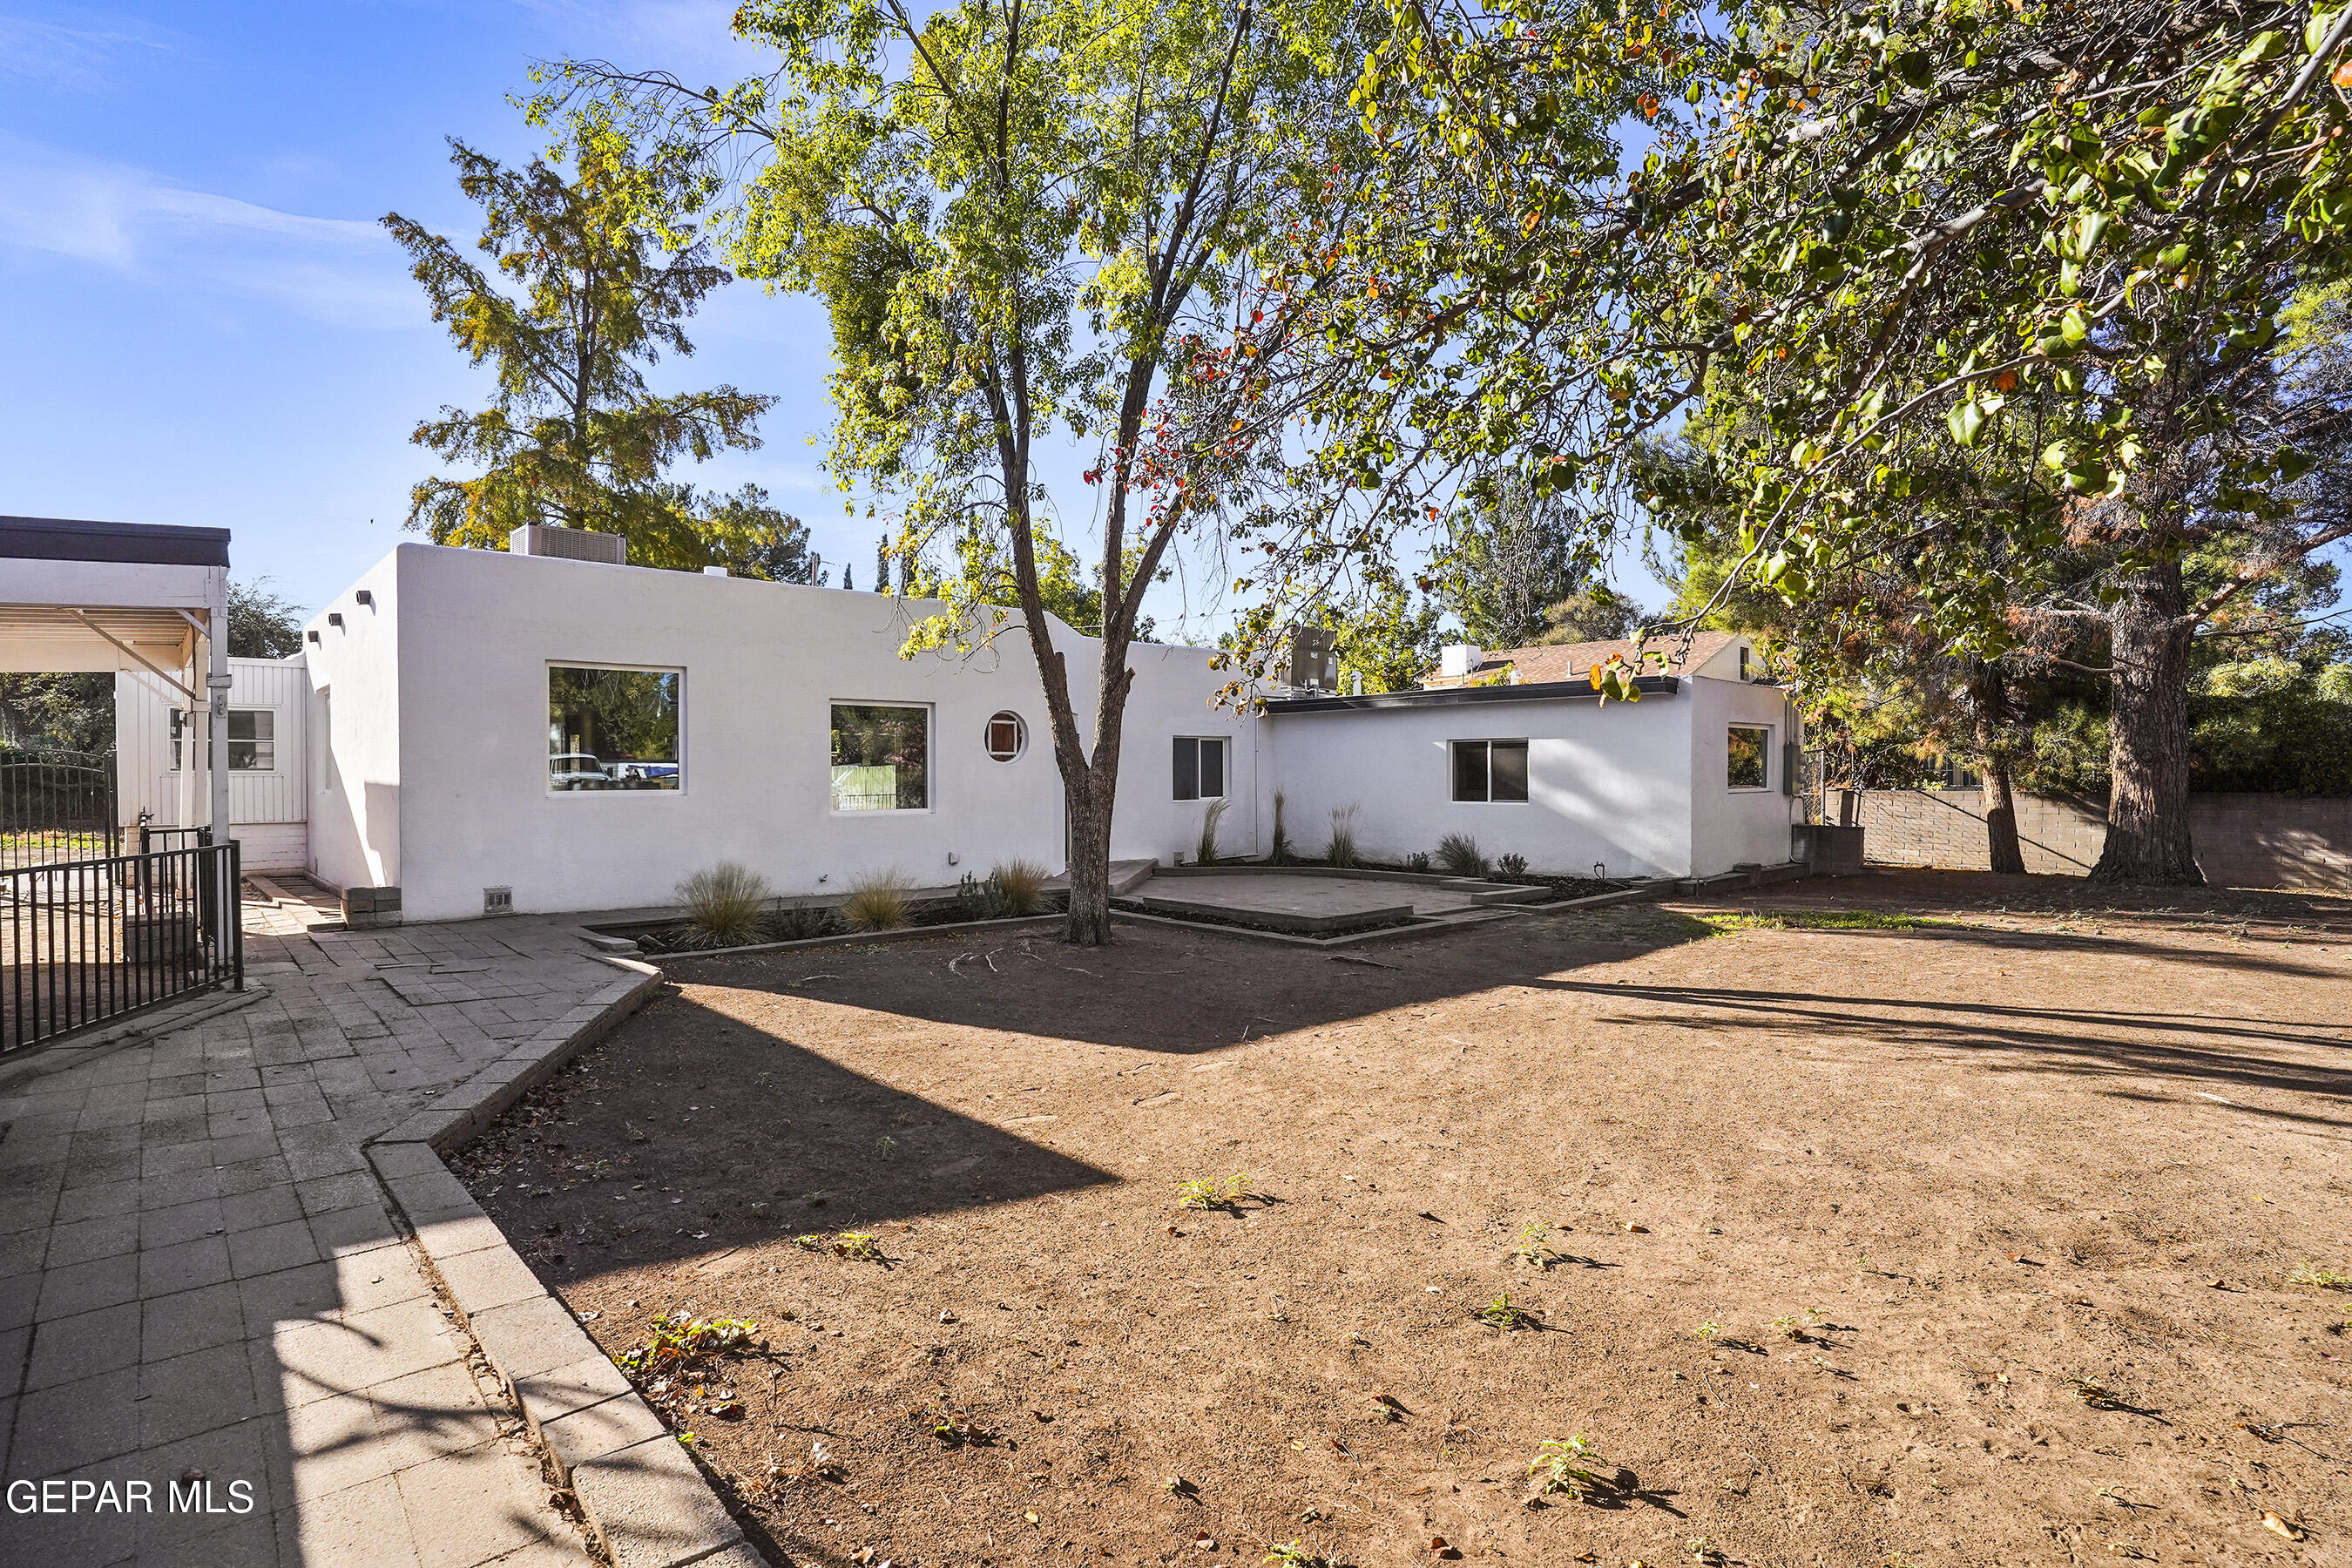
x=1342, y=850
x=878, y=900
x=1205, y=849
x=724, y=903
x=1022, y=885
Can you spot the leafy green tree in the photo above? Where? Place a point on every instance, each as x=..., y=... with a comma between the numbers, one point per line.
x=58, y=712
x=750, y=537
x=1599, y=614
x=1027, y=221
x=579, y=298
x=1887, y=232
x=1385, y=637
x=262, y=624
x=1508, y=556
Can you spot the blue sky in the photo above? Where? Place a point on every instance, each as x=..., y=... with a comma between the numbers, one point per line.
x=206, y=325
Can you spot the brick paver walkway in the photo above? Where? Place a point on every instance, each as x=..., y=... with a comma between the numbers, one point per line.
x=200, y=1288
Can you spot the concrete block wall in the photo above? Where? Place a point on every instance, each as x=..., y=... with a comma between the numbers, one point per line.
x=2243, y=840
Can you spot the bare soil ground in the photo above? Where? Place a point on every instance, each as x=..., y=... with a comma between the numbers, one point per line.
x=1956, y=1243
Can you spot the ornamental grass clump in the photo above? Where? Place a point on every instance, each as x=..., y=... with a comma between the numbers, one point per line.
x=1022, y=884
x=1342, y=851
x=877, y=901
x=1458, y=853
x=724, y=905
x=1205, y=849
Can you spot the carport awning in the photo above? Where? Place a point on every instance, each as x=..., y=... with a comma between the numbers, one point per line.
x=53, y=637
x=106, y=596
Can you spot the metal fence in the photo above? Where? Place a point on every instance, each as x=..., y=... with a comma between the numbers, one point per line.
x=82, y=941
x=57, y=806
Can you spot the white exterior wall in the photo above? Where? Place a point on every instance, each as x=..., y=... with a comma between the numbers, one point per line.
x=268, y=807
x=1737, y=827
x=1608, y=786
x=451, y=745
x=355, y=734
x=1173, y=695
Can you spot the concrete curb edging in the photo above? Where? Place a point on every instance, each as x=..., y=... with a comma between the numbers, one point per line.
x=641, y=1498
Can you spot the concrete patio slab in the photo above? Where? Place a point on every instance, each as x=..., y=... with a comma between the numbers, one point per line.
x=201, y=1273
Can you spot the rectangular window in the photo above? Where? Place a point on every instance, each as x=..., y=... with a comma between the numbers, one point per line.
x=1199, y=767
x=252, y=738
x=1750, y=748
x=325, y=742
x=1490, y=770
x=881, y=758
x=612, y=728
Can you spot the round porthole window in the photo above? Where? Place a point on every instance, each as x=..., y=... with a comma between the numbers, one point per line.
x=1008, y=737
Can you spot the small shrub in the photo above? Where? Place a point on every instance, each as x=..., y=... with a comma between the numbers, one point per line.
x=1510, y=865
x=877, y=901
x=724, y=905
x=1283, y=852
x=1458, y=853
x=2325, y=1278
x=1342, y=852
x=1205, y=851
x=1534, y=1247
x=1502, y=1312
x=1210, y=1195
x=1417, y=861
x=802, y=922
x=1569, y=1466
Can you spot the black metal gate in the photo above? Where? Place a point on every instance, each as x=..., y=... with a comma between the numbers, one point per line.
x=85, y=941
x=56, y=807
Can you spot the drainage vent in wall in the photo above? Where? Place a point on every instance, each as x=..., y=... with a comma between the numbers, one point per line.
x=497, y=901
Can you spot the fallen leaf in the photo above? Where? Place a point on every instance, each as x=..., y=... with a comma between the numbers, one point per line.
x=1205, y=1543
x=1437, y=1544
x=1637, y=1229
x=1030, y=1517
x=2278, y=1526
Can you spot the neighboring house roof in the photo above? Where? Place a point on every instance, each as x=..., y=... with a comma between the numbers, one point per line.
x=1574, y=661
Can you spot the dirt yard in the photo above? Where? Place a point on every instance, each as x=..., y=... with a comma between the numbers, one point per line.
x=1852, y=1241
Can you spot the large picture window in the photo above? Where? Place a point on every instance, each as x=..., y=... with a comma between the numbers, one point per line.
x=881, y=757
x=1749, y=751
x=252, y=738
x=1490, y=770
x=1199, y=767
x=612, y=728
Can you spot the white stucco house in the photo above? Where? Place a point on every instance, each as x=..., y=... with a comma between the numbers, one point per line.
x=488, y=731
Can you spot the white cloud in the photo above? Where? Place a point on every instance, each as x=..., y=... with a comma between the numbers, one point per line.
x=77, y=59
x=134, y=222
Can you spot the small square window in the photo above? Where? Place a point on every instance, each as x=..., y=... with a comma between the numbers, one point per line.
x=1199, y=767
x=881, y=757
x=1750, y=753
x=1490, y=771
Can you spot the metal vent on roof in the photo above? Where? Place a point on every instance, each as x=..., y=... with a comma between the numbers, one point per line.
x=568, y=544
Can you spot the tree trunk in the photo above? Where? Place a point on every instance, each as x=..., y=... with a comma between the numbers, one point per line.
x=1089, y=917
x=2001, y=820
x=2147, y=802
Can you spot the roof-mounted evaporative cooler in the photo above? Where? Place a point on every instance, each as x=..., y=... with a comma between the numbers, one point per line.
x=568, y=545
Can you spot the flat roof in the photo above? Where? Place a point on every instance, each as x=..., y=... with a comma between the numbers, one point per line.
x=66, y=539
x=1467, y=696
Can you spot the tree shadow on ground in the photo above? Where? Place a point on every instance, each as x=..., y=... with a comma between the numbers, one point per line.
x=825, y=1149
